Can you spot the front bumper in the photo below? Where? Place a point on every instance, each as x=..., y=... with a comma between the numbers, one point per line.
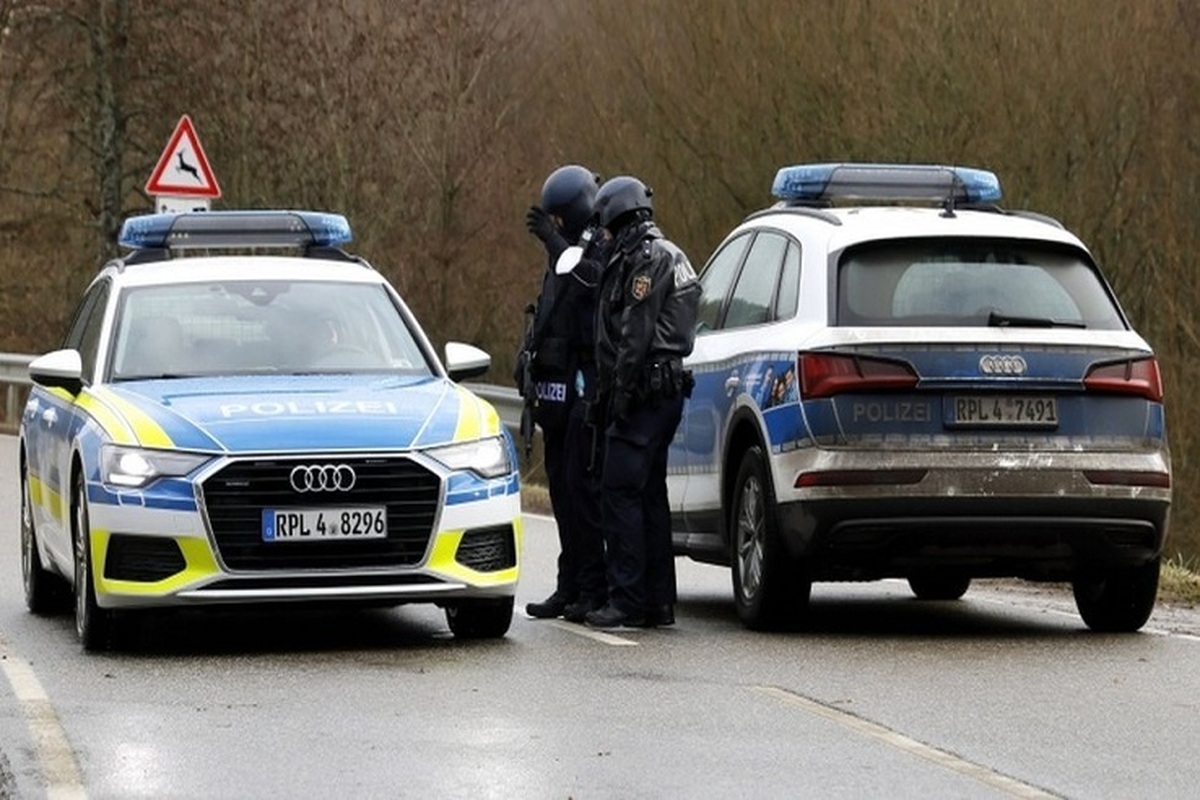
x=153, y=549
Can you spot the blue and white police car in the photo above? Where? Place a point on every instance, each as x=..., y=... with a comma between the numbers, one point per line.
x=267, y=425
x=895, y=377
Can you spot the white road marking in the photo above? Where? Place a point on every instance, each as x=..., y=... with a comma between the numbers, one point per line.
x=891, y=738
x=59, y=768
x=591, y=633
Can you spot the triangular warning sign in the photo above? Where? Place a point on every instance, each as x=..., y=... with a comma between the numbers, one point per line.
x=182, y=169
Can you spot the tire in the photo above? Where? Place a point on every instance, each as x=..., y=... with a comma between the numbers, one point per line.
x=45, y=592
x=939, y=586
x=1120, y=600
x=770, y=589
x=480, y=619
x=93, y=624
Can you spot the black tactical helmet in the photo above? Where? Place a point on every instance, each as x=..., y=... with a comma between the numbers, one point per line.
x=621, y=195
x=570, y=194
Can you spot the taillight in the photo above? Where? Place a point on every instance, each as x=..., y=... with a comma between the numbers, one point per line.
x=827, y=374
x=1137, y=376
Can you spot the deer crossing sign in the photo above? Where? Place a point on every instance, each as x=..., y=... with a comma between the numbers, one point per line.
x=183, y=180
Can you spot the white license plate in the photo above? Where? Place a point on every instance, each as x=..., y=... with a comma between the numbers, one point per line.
x=323, y=524
x=1009, y=410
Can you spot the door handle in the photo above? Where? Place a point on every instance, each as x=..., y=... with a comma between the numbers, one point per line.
x=732, y=383
x=49, y=417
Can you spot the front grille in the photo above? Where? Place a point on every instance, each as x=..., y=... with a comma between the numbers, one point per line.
x=142, y=558
x=488, y=549
x=235, y=497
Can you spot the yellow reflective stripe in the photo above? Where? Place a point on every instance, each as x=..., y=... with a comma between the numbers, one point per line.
x=475, y=417
x=43, y=496
x=149, y=433
x=196, y=553
x=441, y=561
x=60, y=393
x=109, y=420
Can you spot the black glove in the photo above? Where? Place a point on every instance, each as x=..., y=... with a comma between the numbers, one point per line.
x=541, y=225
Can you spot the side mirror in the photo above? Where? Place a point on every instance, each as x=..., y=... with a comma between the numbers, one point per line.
x=61, y=369
x=466, y=361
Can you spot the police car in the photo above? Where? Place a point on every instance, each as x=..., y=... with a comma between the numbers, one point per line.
x=897, y=378
x=269, y=425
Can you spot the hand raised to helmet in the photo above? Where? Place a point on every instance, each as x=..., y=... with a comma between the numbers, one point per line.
x=542, y=225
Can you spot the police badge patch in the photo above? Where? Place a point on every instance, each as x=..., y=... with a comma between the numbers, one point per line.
x=641, y=287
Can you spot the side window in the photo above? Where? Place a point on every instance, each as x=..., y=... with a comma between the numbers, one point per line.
x=715, y=281
x=789, y=283
x=88, y=326
x=79, y=320
x=752, y=300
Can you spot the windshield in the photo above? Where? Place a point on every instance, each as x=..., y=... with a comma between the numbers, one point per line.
x=246, y=327
x=972, y=282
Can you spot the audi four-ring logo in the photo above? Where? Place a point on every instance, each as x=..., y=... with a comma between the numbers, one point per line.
x=1002, y=365
x=323, y=478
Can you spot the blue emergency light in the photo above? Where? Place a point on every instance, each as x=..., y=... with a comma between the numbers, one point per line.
x=916, y=182
x=235, y=229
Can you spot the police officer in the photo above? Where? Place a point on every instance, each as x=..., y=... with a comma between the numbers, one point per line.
x=645, y=325
x=560, y=349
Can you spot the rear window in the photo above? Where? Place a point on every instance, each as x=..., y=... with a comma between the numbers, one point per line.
x=972, y=282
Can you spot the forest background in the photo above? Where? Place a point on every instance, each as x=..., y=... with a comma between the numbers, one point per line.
x=431, y=124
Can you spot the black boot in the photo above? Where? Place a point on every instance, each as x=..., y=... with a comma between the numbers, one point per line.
x=578, y=611
x=612, y=617
x=553, y=606
x=660, y=616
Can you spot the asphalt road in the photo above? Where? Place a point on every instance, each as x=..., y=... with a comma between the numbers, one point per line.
x=1004, y=693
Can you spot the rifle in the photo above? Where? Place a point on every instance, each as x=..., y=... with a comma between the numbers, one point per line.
x=525, y=383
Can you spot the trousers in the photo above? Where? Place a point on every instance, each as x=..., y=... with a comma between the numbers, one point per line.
x=637, y=512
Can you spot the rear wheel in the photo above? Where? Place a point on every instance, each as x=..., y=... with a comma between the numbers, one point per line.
x=770, y=589
x=939, y=586
x=1119, y=600
x=480, y=619
x=92, y=623
x=44, y=592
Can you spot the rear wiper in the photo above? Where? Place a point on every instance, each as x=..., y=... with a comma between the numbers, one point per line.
x=996, y=320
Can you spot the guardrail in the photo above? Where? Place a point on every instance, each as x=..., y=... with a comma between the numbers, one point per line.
x=14, y=374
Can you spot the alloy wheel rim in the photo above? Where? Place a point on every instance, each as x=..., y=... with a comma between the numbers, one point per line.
x=26, y=539
x=750, y=538
x=81, y=568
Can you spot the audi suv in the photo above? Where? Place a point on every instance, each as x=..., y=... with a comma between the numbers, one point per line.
x=898, y=378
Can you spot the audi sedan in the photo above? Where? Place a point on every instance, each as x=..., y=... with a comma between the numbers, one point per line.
x=222, y=428
x=898, y=378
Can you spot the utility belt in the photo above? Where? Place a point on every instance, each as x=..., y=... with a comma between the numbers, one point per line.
x=665, y=379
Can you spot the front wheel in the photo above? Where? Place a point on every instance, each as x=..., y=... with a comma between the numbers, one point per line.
x=1120, y=600
x=770, y=589
x=93, y=624
x=480, y=619
x=44, y=591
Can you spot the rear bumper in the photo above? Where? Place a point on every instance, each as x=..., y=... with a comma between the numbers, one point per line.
x=1038, y=515
x=1037, y=538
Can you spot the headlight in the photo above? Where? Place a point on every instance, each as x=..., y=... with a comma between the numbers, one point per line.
x=487, y=457
x=134, y=467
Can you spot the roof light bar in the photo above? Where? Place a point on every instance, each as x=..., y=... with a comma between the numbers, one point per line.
x=928, y=182
x=235, y=229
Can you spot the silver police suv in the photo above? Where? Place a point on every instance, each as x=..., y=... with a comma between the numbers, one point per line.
x=897, y=378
